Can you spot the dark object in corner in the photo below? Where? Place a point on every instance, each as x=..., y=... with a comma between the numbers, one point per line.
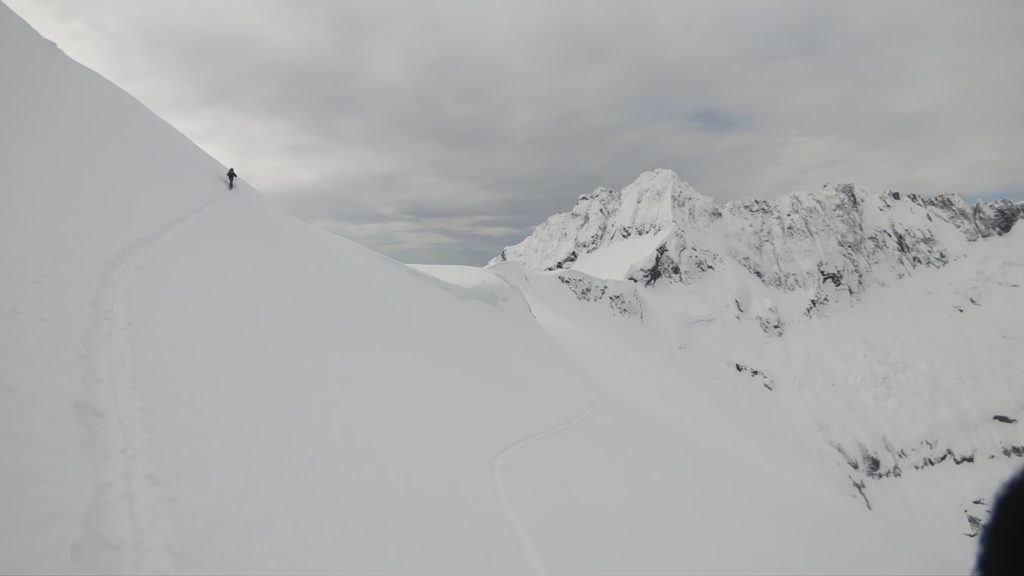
x=1004, y=419
x=1000, y=549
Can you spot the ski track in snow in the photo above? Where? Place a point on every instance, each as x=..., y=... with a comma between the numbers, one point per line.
x=127, y=528
x=526, y=544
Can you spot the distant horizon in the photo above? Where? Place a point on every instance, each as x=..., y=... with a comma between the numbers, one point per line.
x=440, y=133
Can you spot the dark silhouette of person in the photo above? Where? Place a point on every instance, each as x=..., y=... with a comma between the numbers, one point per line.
x=231, y=178
x=1002, y=539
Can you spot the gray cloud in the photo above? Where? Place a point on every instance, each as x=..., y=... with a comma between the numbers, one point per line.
x=442, y=131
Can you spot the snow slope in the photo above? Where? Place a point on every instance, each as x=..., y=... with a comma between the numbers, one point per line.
x=874, y=335
x=192, y=381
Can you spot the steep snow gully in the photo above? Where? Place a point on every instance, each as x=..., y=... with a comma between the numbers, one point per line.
x=127, y=524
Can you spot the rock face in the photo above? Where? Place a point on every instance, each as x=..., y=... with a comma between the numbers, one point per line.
x=832, y=243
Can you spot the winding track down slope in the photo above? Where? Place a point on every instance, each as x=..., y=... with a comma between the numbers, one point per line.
x=127, y=527
x=255, y=395
x=530, y=554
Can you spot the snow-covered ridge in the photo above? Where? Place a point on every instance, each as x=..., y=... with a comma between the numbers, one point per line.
x=836, y=239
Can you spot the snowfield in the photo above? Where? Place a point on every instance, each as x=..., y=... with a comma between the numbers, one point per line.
x=193, y=381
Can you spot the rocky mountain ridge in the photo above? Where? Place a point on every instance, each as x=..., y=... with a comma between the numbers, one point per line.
x=828, y=244
x=917, y=370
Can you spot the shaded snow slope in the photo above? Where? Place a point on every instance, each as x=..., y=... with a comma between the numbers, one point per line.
x=193, y=381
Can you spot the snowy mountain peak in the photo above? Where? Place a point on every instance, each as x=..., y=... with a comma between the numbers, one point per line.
x=652, y=200
x=647, y=204
x=630, y=221
x=829, y=243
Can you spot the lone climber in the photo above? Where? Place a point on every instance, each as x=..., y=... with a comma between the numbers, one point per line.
x=231, y=178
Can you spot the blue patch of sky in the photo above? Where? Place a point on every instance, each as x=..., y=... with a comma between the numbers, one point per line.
x=666, y=108
x=1015, y=194
x=716, y=120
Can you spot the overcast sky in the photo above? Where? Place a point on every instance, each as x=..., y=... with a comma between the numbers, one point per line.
x=439, y=132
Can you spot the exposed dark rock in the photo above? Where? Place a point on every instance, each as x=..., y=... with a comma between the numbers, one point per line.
x=872, y=465
x=981, y=220
x=834, y=277
x=814, y=304
x=584, y=289
x=901, y=242
x=975, y=524
x=850, y=461
x=958, y=460
x=929, y=461
x=625, y=305
x=861, y=486
x=850, y=194
x=771, y=324
x=588, y=290
x=1004, y=419
x=563, y=263
x=663, y=265
x=999, y=216
x=766, y=381
x=1017, y=451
